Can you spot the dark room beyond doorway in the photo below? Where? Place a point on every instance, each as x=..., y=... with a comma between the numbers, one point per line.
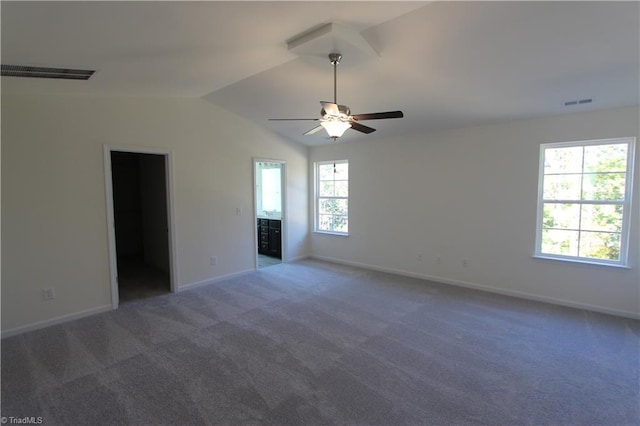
x=141, y=224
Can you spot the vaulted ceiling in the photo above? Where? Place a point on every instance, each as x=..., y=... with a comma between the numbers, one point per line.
x=445, y=64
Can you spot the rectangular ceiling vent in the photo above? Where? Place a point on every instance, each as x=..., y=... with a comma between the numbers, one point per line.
x=578, y=102
x=45, y=72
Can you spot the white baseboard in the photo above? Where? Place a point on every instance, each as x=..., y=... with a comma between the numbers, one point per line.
x=57, y=320
x=93, y=311
x=214, y=280
x=77, y=315
x=522, y=295
x=482, y=287
x=297, y=258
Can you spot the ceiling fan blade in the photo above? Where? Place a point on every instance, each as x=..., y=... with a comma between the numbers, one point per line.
x=378, y=115
x=293, y=119
x=312, y=131
x=361, y=128
x=330, y=108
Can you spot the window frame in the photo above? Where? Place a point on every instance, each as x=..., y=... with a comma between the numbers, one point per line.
x=625, y=203
x=317, y=197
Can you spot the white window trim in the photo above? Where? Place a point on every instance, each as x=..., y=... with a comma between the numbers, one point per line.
x=626, y=204
x=316, y=197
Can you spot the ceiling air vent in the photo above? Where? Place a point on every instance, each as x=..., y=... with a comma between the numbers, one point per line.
x=578, y=102
x=45, y=72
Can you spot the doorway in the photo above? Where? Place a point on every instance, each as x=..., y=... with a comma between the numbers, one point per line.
x=138, y=207
x=269, y=192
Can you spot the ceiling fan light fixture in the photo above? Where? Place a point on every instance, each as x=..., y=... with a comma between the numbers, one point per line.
x=336, y=118
x=335, y=128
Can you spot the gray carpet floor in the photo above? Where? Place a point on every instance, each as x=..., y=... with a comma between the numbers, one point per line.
x=313, y=343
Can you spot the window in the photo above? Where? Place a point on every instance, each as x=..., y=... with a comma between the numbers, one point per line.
x=332, y=197
x=584, y=199
x=269, y=189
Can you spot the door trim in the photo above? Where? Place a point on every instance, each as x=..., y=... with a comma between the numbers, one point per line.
x=283, y=222
x=111, y=235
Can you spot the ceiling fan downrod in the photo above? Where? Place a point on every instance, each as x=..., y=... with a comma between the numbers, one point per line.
x=335, y=60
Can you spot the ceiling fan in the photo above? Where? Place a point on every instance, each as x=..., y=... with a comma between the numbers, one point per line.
x=335, y=118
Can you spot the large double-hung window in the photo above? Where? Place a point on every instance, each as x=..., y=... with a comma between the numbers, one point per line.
x=332, y=197
x=584, y=200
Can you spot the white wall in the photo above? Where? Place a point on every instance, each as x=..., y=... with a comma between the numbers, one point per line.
x=468, y=193
x=54, y=228
x=471, y=194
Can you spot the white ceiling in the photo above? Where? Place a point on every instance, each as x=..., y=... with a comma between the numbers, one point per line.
x=445, y=64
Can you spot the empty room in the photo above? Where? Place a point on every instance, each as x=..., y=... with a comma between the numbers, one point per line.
x=320, y=213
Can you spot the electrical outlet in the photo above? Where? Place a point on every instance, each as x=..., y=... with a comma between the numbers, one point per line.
x=465, y=263
x=238, y=211
x=419, y=257
x=48, y=294
x=213, y=260
x=438, y=259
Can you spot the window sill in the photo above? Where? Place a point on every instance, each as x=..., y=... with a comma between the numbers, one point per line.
x=583, y=261
x=337, y=234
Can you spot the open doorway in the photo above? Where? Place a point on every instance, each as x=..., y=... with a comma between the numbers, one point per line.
x=269, y=177
x=138, y=206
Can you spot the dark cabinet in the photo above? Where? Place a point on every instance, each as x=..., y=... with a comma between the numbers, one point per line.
x=263, y=236
x=275, y=238
x=270, y=237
